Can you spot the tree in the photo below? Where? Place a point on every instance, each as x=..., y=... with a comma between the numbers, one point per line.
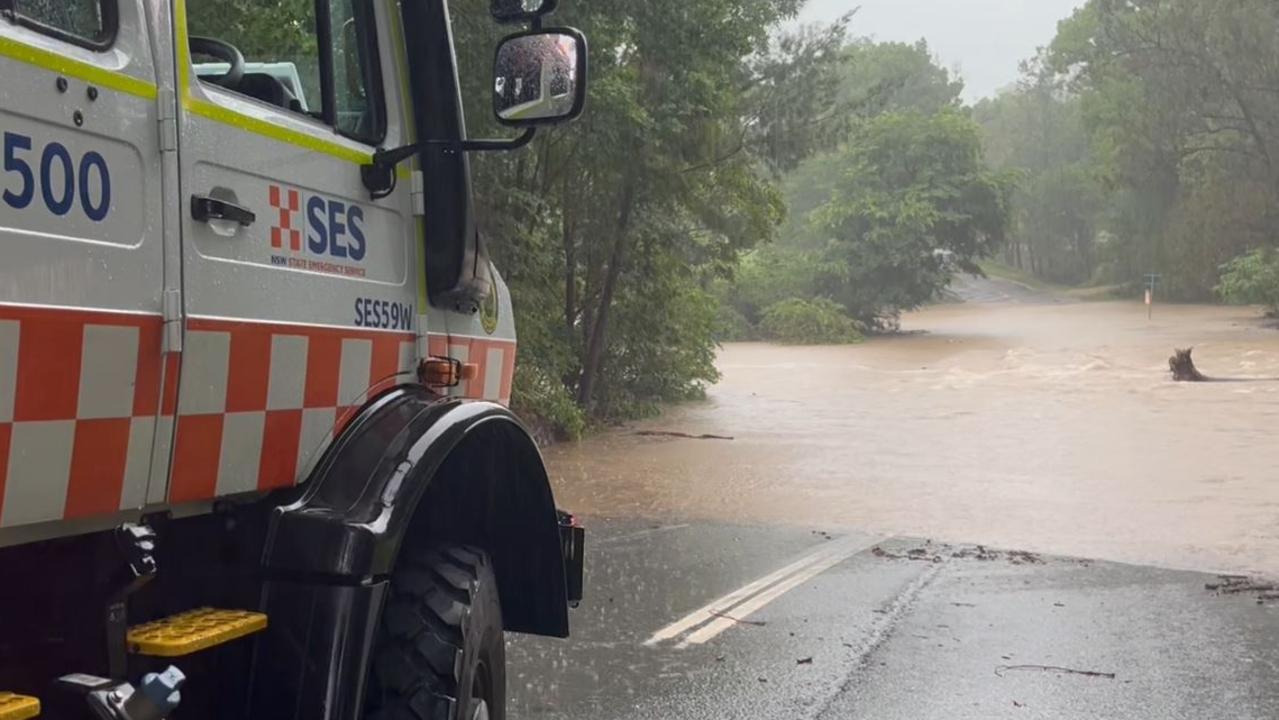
x=1179, y=97
x=1036, y=130
x=897, y=77
x=1252, y=279
x=916, y=204
x=610, y=230
x=872, y=79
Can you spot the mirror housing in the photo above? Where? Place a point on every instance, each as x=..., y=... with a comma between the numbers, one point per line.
x=539, y=77
x=518, y=11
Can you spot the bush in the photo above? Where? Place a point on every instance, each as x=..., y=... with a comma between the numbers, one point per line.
x=546, y=405
x=1252, y=279
x=732, y=326
x=809, y=322
x=661, y=350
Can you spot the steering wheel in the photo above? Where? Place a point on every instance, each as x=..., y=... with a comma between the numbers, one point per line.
x=224, y=51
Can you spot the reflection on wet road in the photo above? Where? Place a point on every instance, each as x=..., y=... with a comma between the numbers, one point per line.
x=1051, y=427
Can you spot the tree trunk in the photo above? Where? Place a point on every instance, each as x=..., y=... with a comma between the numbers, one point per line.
x=1183, y=368
x=568, y=224
x=598, y=335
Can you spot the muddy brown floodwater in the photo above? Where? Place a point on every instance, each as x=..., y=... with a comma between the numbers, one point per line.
x=1046, y=427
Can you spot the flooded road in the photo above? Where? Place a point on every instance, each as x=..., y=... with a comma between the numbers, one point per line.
x=1046, y=426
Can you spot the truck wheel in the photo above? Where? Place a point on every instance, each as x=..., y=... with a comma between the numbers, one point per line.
x=439, y=653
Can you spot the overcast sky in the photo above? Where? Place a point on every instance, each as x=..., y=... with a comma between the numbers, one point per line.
x=984, y=39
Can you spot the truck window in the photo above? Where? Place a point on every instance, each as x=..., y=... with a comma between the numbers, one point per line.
x=90, y=23
x=285, y=61
x=355, y=71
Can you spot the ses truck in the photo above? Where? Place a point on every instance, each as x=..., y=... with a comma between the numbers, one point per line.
x=256, y=459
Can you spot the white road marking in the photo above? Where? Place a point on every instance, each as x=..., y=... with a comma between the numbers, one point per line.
x=837, y=550
x=754, y=604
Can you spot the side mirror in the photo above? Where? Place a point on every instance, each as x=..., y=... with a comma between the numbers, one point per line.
x=539, y=78
x=513, y=11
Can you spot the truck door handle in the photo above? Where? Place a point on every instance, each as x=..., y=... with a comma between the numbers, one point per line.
x=205, y=208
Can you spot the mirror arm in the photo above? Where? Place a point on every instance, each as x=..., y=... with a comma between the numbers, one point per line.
x=502, y=145
x=379, y=175
x=394, y=156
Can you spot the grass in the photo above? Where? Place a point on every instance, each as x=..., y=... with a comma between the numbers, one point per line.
x=996, y=269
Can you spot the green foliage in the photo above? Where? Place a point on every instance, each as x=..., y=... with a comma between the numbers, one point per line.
x=769, y=275
x=799, y=101
x=882, y=219
x=663, y=350
x=541, y=397
x=1036, y=131
x=887, y=77
x=279, y=31
x=610, y=229
x=915, y=204
x=731, y=325
x=1252, y=279
x=819, y=321
x=1178, y=98
x=873, y=79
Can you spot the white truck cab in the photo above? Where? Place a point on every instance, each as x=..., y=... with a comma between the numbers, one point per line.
x=253, y=357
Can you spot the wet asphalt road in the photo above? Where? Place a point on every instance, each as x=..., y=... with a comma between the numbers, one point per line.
x=891, y=629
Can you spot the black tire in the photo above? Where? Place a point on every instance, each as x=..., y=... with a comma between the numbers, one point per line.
x=440, y=651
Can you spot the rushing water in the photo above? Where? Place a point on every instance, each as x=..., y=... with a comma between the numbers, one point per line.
x=1048, y=427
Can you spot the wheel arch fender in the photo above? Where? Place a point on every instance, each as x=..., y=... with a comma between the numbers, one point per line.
x=415, y=468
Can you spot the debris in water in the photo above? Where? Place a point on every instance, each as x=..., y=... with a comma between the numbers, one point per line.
x=1021, y=557
x=1235, y=584
x=979, y=552
x=804, y=661
x=686, y=436
x=1183, y=368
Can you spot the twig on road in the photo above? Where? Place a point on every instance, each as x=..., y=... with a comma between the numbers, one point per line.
x=726, y=616
x=1001, y=669
x=686, y=436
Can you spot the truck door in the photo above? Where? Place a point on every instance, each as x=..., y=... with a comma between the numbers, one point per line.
x=296, y=286
x=81, y=259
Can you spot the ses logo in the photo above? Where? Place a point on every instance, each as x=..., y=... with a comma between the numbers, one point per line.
x=320, y=238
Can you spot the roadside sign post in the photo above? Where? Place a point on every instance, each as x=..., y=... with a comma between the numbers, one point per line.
x=1152, y=279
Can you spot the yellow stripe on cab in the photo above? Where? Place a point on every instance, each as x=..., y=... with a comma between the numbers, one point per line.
x=53, y=62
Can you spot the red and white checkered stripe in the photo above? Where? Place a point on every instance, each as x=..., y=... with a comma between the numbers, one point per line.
x=258, y=402
x=84, y=396
x=495, y=359
x=79, y=394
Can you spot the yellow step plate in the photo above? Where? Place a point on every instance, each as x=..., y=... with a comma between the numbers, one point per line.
x=18, y=707
x=193, y=631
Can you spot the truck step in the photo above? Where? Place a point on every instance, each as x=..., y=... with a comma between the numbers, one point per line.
x=192, y=631
x=18, y=707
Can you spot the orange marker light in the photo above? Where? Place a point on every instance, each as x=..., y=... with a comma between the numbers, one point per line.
x=446, y=372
